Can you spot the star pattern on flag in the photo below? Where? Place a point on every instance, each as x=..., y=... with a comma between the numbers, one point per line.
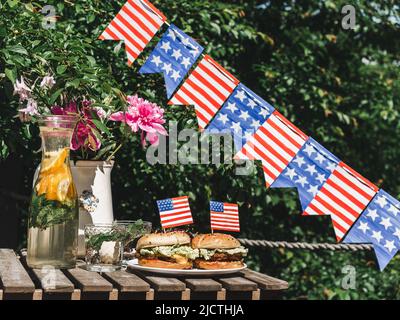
x=380, y=226
x=308, y=171
x=174, y=56
x=241, y=115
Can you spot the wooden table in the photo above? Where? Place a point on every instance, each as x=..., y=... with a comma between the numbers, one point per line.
x=17, y=281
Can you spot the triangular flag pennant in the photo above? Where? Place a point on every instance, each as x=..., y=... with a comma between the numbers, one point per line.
x=344, y=196
x=241, y=115
x=207, y=88
x=308, y=171
x=275, y=143
x=173, y=56
x=380, y=225
x=136, y=24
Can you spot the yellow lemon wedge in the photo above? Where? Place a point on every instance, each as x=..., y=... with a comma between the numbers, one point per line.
x=56, y=185
x=54, y=162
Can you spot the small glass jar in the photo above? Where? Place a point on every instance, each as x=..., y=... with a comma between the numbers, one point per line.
x=104, y=247
x=134, y=230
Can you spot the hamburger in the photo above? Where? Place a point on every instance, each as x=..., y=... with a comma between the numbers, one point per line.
x=218, y=251
x=169, y=250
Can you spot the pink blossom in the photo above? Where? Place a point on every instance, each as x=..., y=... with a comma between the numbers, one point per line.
x=143, y=115
x=48, y=82
x=101, y=113
x=21, y=89
x=31, y=108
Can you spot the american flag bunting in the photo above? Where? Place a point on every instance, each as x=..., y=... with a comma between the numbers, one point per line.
x=275, y=143
x=136, y=24
x=241, y=115
x=344, y=196
x=173, y=56
x=379, y=225
x=207, y=88
x=175, y=212
x=308, y=171
x=224, y=216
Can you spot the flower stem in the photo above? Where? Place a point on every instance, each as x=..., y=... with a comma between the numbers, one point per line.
x=114, y=152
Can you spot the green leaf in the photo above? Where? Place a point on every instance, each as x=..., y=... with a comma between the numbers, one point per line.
x=61, y=69
x=55, y=96
x=101, y=126
x=11, y=74
x=18, y=49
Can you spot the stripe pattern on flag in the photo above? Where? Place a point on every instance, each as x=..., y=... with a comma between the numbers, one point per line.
x=224, y=216
x=308, y=171
x=207, y=88
x=275, y=143
x=344, y=196
x=175, y=212
x=136, y=23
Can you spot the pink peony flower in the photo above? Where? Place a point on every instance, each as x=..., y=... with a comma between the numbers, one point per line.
x=143, y=115
x=21, y=89
x=85, y=131
x=48, y=82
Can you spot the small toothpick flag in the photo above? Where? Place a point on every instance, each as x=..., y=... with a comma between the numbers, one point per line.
x=136, y=24
x=224, y=216
x=175, y=212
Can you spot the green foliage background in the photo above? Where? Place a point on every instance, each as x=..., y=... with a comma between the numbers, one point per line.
x=294, y=54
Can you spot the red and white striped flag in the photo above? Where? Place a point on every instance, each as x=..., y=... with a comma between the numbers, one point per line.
x=275, y=143
x=224, y=216
x=344, y=196
x=136, y=24
x=207, y=88
x=175, y=212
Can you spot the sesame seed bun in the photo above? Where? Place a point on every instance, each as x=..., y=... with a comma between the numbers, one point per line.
x=163, y=239
x=215, y=241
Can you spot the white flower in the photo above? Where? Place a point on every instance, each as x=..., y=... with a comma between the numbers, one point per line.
x=31, y=108
x=21, y=89
x=47, y=82
x=101, y=113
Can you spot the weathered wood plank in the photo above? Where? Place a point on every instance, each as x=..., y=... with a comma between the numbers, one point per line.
x=186, y=295
x=76, y=295
x=202, y=285
x=89, y=281
x=265, y=282
x=255, y=295
x=238, y=284
x=221, y=295
x=38, y=294
x=127, y=282
x=1, y=294
x=53, y=281
x=113, y=295
x=150, y=295
x=13, y=275
x=163, y=284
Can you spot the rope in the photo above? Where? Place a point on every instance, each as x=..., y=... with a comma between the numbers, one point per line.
x=305, y=245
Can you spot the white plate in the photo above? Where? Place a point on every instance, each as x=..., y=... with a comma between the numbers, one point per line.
x=134, y=264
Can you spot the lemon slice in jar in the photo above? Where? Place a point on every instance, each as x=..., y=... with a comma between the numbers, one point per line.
x=54, y=162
